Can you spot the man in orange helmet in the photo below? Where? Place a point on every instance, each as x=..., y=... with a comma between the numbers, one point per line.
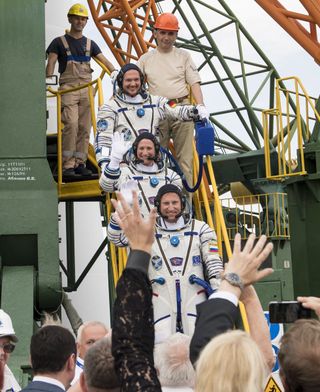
x=73, y=52
x=171, y=73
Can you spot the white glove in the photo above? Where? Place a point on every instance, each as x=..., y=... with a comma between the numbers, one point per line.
x=113, y=76
x=202, y=112
x=126, y=190
x=118, y=148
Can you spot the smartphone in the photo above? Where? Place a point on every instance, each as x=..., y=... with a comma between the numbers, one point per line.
x=287, y=312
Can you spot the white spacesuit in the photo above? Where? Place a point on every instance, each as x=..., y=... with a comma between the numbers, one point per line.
x=132, y=112
x=184, y=258
x=147, y=167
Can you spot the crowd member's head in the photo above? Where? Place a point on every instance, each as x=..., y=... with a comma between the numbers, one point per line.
x=171, y=358
x=8, y=339
x=98, y=373
x=299, y=357
x=231, y=362
x=88, y=334
x=130, y=80
x=170, y=202
x=146, y=149
x=166, y=31
x=53, y=353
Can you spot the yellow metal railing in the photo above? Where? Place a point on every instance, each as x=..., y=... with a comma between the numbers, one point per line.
x=258, y=214
x=292, y=129
x=58, y=94
x=94, y=87
x=206, y=195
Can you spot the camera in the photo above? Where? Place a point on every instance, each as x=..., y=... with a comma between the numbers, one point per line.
x=288, y=312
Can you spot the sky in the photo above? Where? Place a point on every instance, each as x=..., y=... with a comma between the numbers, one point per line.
x=286, y=55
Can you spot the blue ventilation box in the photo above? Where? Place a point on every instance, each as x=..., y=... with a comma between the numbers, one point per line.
x=204, y=138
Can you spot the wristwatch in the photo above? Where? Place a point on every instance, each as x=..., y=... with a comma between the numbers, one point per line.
x=234, y=279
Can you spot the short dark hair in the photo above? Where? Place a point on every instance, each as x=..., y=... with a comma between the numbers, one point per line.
x=99, y=370
x=50, y=348
x=169, y=188
x=299, y=357
x=126, y=68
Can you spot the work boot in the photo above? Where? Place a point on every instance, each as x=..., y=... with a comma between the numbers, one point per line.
x=82, y=170
x=69, y=172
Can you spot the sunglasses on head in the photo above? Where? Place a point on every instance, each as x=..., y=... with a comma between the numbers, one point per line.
x=7, y=347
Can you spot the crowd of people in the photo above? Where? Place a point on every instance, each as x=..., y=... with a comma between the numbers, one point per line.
x=217, y=358
x=177, y=306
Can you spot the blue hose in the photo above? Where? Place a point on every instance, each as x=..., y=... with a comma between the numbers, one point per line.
x=194, y=279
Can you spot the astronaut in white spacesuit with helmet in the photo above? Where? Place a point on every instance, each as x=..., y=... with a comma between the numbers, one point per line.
x=185, y=263
x=184, y=253
x=132, y=110
x=144, y=168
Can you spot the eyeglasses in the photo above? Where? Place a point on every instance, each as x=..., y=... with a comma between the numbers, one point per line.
x=7, y=347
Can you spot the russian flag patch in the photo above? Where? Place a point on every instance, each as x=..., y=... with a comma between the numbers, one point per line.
x=213, y=248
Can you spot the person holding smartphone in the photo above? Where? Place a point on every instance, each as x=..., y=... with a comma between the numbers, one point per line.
x=312, y=303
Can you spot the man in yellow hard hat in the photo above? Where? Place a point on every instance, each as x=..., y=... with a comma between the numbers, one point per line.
x=171, y=73
x=73, y=52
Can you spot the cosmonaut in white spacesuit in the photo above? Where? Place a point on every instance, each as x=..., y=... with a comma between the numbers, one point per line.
x=132, y=110
x=144, y=165
x=184, y=259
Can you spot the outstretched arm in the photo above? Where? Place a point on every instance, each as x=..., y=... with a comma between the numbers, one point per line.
x=217, y=315
x=258, y=325
x=105, y=62
x=176, y=112
x=133, y=331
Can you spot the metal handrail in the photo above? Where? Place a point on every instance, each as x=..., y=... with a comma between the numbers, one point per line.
x=58, y=94
x=283, y=142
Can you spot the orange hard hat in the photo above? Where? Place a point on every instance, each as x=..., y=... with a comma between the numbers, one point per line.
x=167, y=21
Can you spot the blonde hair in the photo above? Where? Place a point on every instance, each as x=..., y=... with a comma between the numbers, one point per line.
x=231, y=362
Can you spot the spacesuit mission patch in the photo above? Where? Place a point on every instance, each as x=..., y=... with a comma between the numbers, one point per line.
x=156, y=262
x=151, y=200
x=176, y=261
x=102, y=125
x=196, y=260
x=127, y=134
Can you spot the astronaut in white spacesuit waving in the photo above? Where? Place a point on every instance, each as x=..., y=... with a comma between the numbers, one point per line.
x=132, y=110
x=185, y=263
x=143, y=168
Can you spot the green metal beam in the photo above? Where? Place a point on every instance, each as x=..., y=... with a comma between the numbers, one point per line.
x=28, y=195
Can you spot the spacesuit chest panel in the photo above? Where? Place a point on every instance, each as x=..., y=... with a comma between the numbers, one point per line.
x=149, y=185
x=169, y=271
x=137, y=118
x=177, y=262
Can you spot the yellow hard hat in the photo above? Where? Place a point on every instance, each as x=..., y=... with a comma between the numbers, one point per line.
x=79, y=10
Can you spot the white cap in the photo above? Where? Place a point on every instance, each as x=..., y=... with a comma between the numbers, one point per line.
x=6, y=328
